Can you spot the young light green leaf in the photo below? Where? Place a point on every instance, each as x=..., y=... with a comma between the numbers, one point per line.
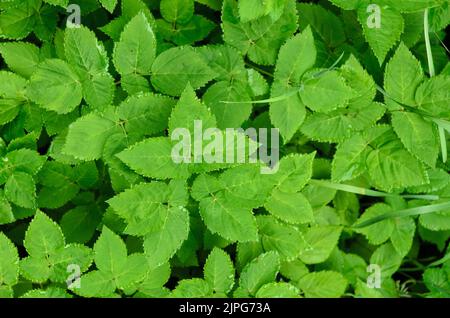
x=136, y=50
x=262, y=270
x=167, y=235
x=21, y=57
x=219, y=271
x=20, y=189
x=278, y=290
x=43, y=237
x=288, y=115
x=170, y=79
x=153, y=158
x=229, y=216
x=109, y=4
x=55, y=86
x=326, y=93
x=290, y=207
x=418, y=135
x=87, y=136
x=323, y=284
x=381, y=29
x=320, y=242
x=260, y=39
x=110, y=253
x=279, y=237
x=9, y=262
x=403, y=75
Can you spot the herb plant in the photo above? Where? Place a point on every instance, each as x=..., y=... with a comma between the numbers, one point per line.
x=93, y=204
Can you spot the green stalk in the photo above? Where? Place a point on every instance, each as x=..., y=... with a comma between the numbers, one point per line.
x=426, y=29
x=407, y=212
x=369, y=192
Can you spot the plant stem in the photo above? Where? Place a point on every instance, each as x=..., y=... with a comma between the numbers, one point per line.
x=426, y=29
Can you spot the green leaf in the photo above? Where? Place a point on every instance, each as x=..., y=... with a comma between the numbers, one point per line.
x=253, y=9
x=387, y=258
x=20, y=189
x=167, y=235
x=278, y=290
x=177, y=11
x=418, y=135
x=55, y=86
x=323, y=284
x=288, y=115
x=95, y=284
x=197, y=29
x=109, y=4
x=380, y=232
x=412, y=5
x=342, y=123
x=402, y=77
x=9, y=262
x=437, y=221
x=146, y=114
x=43, y=237
x=403, y=234
x=6, y=212
x=388, y=290
x=229, y=216
x=279, y=237
x=433, y=96
x=294, y=172
x=79, y=224
x=170, y=79
x=290, y=207
x=136, y=50
x=87, y=136
x=21, y=57
x=110, y=253
x=228, y=115
x=153, y=158
x=349, y=160
x=219, y=271
x=35, y=269
x=351, y=266
x=71, y=254
x=326, y=93
x=437, y=282
x=17, y=21
x=83, y=50
x=320, y=242
x=381, y=39
x=192, y=288
x=391, y=166
x=260, y=39
x=260, y=271
x=346, y=4
x=135, y=270
x=21, y=160
x=50, y=292
x=324, y=23
x=62, y=3
x=188, y=110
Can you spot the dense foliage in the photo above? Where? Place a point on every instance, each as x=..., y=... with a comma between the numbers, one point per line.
x=359, y=205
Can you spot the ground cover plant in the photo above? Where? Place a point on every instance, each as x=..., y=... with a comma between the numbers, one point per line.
x=352, y=95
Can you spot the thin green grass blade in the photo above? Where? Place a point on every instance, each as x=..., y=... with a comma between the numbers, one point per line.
x=369, y=192
x=443, y=144
x=426, y=209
